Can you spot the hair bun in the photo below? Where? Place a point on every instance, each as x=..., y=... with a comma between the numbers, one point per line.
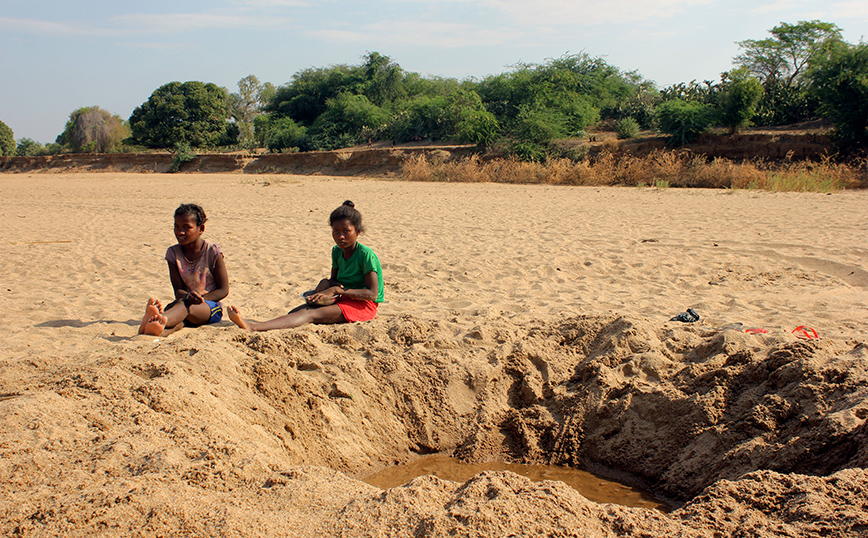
x=349, y=203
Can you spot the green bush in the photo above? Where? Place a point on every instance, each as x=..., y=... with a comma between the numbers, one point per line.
x=284, y=133
x=527, y=151
x=540, y=125
x=476, y=127
x=739, y=99
x=29, y=147
x=578, y=110
x=781, y=104
x=183, y=154
x=577, y=86
x=458, y=116
x=422, y=118
x=467, y=121
x=261, y=126
x=7, y=140
x=841, y=84
x=683, y=121
x=627, y=128
x=345, y=118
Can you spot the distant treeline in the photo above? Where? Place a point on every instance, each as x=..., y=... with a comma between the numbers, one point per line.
x=801, y=72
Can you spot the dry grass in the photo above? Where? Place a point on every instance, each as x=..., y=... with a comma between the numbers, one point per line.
x=660, y=168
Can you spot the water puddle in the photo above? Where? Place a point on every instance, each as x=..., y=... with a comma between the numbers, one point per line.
x=594, y=488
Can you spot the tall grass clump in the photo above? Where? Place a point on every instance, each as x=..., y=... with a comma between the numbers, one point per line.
x=660, y=168
x=807, y=176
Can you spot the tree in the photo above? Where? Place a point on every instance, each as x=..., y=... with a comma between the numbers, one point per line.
x=191, y=112
x=419, y=118
x=458, y=116
x=540, y=125
x=841, y=84
x=29, y=147
x=306, y=97
x=344, y=119
x=577, y=86
x=284, y=133
x=468, y=121
x=781, y=62
x=342, y=104
x=536, y=104
x=738, y=98
x=92, y=129
x=786, y=55
x=7, y=140
x=247, y=104
x=781, y=104
x=417, y=86
x=384, y=80
x=308, y=94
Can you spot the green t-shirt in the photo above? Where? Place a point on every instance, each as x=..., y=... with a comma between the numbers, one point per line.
x=351, y=272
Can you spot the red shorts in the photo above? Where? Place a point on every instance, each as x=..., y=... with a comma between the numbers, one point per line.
x=356, y=310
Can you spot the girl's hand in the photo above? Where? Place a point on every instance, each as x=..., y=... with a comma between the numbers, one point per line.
x=194, y=298
x=324, y=297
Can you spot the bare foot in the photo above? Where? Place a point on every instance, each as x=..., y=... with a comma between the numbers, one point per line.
x=235, y=316
x=153, y=308
x=155, y=325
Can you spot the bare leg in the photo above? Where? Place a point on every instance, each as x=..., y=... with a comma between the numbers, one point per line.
x=198, y=314
x=179, y=311
x=152, y=309
x=296, y=318
x=170, y=330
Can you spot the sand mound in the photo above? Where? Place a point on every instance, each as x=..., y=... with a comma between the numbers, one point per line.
x=226, y=417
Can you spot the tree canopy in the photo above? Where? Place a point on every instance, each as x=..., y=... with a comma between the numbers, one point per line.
x=7, y=140
x=29, y=147
x=578, y=88
x=247, y=104
x=683, y=120
x=781, y=62
x=738, y=98
x=786, y=55
x=193, y=113
x=92, y=129
x=841, y=84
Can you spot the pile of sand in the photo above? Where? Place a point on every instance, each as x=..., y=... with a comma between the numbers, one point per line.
x=522, y=323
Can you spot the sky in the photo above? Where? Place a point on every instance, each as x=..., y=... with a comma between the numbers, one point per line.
x=57, y=56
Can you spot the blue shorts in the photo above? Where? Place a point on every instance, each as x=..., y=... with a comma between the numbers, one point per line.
x=216, y=315
x=216, y=312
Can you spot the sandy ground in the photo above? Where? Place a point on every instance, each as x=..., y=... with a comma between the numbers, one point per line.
x=523, y=323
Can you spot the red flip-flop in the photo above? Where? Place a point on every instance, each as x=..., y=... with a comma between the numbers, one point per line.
x=755, y=330
x=805, y=333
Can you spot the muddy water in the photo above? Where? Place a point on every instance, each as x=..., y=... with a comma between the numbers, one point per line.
x=594, y=488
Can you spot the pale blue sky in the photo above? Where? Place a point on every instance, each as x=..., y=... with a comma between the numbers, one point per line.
x=58, y=55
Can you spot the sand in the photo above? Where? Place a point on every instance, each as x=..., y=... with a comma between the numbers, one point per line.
x=522, y=323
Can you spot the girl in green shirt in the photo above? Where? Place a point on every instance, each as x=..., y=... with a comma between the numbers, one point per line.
x=351, y=293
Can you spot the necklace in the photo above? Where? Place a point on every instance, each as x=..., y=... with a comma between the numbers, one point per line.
x=196, y=257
